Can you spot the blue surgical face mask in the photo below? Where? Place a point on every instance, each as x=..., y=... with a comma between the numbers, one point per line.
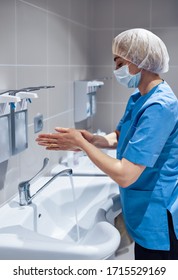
x=125, y=78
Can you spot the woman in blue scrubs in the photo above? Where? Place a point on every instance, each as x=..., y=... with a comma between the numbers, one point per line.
x=146, y=168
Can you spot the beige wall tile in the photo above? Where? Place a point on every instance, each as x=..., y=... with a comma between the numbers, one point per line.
x=59, y=41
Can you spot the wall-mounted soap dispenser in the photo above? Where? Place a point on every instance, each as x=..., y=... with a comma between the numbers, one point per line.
x=85, y=99
x=13, y=120
x=19, y=122
x=5, y=126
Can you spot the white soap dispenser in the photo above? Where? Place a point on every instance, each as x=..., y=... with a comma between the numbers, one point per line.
x=5, y=125
x=85, y=99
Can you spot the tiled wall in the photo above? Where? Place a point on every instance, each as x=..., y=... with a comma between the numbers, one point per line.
x=43, y=42
x=113, y=17
x=55, y=42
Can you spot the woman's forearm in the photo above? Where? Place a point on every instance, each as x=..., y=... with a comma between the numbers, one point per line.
x=108, y=141
x=121, y=171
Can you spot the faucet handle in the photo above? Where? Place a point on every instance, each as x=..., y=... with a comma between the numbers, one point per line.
x=45, y=162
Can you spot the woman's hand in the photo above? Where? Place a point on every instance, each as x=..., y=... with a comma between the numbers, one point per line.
x=63, y=139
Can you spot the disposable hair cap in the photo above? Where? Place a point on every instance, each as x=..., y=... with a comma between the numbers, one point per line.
x=143, y=48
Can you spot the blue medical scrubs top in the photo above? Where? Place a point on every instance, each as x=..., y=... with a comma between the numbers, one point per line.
x=149, y=136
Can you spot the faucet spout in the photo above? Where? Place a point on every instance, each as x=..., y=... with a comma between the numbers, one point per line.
x=24, y=188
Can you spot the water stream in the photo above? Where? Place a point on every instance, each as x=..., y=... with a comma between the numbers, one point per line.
x=75, y=207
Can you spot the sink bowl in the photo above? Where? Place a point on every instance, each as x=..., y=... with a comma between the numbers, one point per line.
x=55, y=226
x=84, y=166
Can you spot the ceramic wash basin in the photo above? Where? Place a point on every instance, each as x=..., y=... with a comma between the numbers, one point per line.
x=49, y=229
x=81, y=164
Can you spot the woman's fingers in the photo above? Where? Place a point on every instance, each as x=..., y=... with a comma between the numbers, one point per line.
x=64, y=139
x=47, y=136
x=61, y=129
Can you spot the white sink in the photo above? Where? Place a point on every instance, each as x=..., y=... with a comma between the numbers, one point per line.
x=47, y=229
x=83, y=166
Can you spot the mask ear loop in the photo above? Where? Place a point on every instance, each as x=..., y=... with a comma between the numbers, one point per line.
x=135, y=65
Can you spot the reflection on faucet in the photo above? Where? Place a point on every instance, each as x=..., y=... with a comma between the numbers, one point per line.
x=24, y=188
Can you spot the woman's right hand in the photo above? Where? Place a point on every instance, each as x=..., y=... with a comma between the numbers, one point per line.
x=87, y=135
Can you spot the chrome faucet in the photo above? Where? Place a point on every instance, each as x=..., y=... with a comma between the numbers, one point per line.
x=25, y=197
x=24, y=188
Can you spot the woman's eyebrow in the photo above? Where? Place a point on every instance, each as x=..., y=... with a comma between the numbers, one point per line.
x=116, y=57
